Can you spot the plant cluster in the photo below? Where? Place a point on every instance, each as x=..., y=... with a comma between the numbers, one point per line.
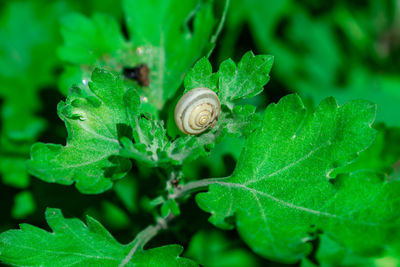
x=315, y=185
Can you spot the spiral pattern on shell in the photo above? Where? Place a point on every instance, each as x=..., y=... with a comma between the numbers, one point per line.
x=197, y=111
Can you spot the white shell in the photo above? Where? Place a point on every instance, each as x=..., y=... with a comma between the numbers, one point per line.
x=197, y=111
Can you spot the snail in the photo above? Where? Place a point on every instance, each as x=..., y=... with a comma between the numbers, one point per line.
x=197, y=111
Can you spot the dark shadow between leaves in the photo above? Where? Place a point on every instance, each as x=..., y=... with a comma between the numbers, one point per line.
x=119, y=169
x=124, y=130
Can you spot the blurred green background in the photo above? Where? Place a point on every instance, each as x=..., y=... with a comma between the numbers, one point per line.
x=346, y=49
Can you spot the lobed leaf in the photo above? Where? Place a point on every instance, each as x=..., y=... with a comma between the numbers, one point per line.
x=246, y=79
x=311, y=63
x=281, y=193
x=176, y=41
x=167, y=45
x=381, y=156
x=73, y=243
x=95, y=122
x=153, y=147
x=89, y=43
x=201, y=75
x=106, y=126
x=232, y=83
x=88, y=40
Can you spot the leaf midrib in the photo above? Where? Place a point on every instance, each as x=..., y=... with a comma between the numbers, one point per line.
x=291, y=205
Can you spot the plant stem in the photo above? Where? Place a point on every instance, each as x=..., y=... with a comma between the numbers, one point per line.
x=144, y=237
x=214, y=38
x=151, y=231
x=195, y=186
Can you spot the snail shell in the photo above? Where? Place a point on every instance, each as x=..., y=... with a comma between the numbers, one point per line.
x=197, y=111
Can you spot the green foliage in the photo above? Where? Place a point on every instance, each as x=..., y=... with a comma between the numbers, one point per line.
x=76, y=244
x=104, y=124
x=381, y=155
x=340, y=54
x=98, y=42
x=229, y=147
x=95, y=122
x=114, y=216
x=244, y=80
x=284, y=172
x=232, y=82
x=213, y=249
x=23, y=54
x=26, y=66
x=24, y=205
x=330, y=253
x=14, y=172
x=170, y=38
x=89, y=43
x=86, y=41
x=126, y=190
x=303, y=186
x=201, y=75
x=152, y=145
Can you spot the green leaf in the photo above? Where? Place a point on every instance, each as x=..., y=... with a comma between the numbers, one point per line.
x=27, y=62
x=213, y=249
x=244, y=80
x=229, y=147
x=151, y=141
x=387, y=261
x=281, y=192
x=307, y=263
x=232, y=83
x=14, y=171
x=363, y=84
x=114, y=216
x=167, y=46
x=170, y=207
x=330, y=253
x=127, y=191
x=174, y=45
x=73, y=243
x=88, y=40
x=201, y=75
x=95, y=122
x=320, y=68
x=90, y=43
x=152, y=145
x=381, y=155
x=24, y=205
x=153, y=148
x=241, y=121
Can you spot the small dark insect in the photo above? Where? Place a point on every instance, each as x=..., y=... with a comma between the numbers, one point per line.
x=139, y=73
